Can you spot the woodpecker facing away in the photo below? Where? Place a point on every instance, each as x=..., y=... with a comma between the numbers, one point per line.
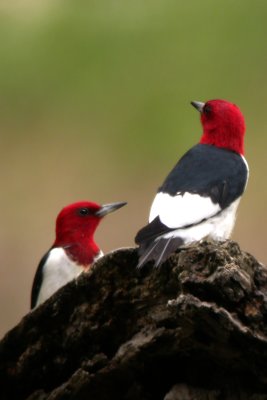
x=74, y=249
x=200, y=196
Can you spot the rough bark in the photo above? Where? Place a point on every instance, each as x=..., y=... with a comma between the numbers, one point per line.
x=196, y=328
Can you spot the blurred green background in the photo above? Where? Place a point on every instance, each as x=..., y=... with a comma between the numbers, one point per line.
x=94, y=104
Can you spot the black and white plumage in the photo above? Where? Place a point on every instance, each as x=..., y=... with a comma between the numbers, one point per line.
x=197, y=200
x=74, y=250
x=55, y=270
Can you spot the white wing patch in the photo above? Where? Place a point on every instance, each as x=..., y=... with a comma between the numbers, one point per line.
x=182, y=210
x=218, y=227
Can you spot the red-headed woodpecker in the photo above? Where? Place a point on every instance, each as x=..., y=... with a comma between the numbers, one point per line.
x=74, y=249
x=200, y=196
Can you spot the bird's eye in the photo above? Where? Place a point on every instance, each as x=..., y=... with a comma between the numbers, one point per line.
x=207, y=109
x=83, y=211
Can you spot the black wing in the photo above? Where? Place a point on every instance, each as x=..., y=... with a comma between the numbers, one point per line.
x=209, y=171
x=151, y=231
x=38, y=279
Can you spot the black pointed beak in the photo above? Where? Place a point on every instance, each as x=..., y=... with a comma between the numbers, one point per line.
x=198, y=105
x=109, y=208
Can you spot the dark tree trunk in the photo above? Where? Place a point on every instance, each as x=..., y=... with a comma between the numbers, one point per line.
x=196, y=328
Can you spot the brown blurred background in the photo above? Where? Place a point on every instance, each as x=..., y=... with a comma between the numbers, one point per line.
x=94, y=104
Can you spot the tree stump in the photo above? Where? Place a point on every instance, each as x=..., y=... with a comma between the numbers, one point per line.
x=195, y=328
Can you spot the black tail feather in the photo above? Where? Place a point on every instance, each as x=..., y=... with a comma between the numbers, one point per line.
x=158, y=250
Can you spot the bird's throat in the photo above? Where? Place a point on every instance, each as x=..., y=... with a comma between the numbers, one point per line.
x=82, y=253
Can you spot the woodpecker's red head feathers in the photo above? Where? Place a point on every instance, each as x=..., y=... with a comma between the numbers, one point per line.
x=223, y=124
x=75, y=228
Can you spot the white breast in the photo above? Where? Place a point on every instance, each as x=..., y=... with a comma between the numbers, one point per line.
x=58, y=270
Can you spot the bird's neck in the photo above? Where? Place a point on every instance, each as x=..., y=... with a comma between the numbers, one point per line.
x=83, y=251
x=231, y=142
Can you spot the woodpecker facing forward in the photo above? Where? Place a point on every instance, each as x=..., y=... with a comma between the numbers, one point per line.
x=74, y=249
x=200, y=196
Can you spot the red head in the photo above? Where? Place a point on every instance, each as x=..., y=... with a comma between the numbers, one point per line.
x=75, y=228
x=223, y=124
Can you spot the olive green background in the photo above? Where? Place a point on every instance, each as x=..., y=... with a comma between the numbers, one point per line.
x=94, y=104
